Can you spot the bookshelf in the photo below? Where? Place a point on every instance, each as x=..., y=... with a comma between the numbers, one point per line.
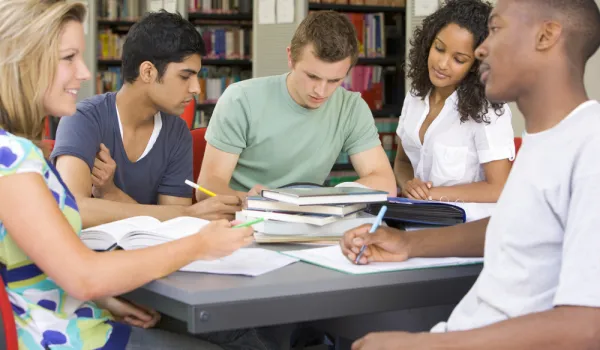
x=381, y=31
x=226, y=28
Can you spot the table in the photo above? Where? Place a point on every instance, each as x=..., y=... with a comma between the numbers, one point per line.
x=297, y=293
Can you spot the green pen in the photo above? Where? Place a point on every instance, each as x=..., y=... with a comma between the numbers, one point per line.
x=249, y=223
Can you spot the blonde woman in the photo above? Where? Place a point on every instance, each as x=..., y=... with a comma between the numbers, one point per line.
x=62, y=292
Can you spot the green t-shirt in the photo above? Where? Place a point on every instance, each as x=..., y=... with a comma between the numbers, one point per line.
x=280, y=142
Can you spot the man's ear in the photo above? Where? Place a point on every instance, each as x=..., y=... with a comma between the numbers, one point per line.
x=548, y=35
x=148, y=72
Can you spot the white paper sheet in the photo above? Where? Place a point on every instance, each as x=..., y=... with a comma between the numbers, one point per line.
x=285, y=11
x=266, y=11
x=245, y=261
x=332, y=257
x=425, y=7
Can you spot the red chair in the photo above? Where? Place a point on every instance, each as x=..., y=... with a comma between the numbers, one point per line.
x=8, y=320
x=198, y=148
x=49, y=144
x=189, y=114
x=518, y=142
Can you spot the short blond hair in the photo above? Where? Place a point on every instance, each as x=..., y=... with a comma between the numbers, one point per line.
x=29, y=54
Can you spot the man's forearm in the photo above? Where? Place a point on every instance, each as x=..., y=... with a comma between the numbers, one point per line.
x=465, y=240
x=380, y=182
x=95, y=211
x=573, y=328
x=219, y=187
x=476, y=192
x=119, y=196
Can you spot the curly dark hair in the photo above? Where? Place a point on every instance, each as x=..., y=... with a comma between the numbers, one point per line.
x=471, y=15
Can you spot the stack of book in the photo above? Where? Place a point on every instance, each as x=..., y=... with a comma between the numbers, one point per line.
x=309, y=214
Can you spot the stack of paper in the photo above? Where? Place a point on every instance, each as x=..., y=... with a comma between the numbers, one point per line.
x=332, y=258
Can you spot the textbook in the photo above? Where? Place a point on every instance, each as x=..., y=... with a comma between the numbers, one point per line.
x=313, y=219
x=264, y=204
x=332, y=258
x=325, y=195
x=139, y=232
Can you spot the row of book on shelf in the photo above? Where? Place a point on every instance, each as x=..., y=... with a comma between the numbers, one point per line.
x=222, y=42
x=220, y=6
x=119, y=9
x=392, y=3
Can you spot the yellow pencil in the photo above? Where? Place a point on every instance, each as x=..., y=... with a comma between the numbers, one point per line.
x=200, y=188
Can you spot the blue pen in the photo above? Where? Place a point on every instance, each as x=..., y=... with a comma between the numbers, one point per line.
x=376, y=224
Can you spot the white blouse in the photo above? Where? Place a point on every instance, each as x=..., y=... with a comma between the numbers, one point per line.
x=453, y=152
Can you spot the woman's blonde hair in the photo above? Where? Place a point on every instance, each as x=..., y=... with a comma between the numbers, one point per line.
x=29, y=54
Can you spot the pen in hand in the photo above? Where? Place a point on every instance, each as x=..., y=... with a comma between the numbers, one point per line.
x=374, y=227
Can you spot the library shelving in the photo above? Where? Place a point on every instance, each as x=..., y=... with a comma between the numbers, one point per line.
x=381, y=34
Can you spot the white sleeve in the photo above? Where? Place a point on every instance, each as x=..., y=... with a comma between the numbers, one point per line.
x=403, y=113
x=495, y=140
x=579, y=283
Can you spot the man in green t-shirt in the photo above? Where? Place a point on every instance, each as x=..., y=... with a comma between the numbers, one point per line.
x=289, y=128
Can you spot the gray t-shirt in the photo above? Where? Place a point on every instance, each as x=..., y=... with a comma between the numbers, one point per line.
x=541, y=247
x=163, y=170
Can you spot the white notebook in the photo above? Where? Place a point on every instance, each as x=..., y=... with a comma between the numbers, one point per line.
x=245, y=261
x=332, y=258
x=139, y=232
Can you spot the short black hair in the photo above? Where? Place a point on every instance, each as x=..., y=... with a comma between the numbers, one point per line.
x=471, y=15
x=581, y=22
x=160, y=38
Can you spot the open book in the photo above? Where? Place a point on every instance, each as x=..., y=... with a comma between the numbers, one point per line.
x=139, y=232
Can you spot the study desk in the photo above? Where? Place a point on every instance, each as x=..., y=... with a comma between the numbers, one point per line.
x=298, y=292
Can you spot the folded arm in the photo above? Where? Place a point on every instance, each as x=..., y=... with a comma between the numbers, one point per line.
x=95, y=211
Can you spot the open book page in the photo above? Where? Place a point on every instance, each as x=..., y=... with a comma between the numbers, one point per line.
x=103, y=236
x=244, y=261
x=332, y=258
x=164, y=232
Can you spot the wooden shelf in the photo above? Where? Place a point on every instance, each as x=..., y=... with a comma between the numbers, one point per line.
x=378, y=61
x=355, y=8
x=342, y=167
x=220, y=16
x=115, y=23
x=225, y=62
x=390, y=111
x=103, y=62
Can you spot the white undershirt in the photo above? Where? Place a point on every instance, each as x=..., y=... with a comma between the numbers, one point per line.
x=153, y=137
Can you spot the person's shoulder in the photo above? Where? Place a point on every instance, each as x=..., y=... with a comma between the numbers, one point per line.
x=15, y=150
x=100, y=102
x=176, y=127
x=247, y=88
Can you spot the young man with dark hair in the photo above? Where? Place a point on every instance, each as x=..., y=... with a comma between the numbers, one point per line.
x=539, y=287
x=290, y=128
x=128, y=153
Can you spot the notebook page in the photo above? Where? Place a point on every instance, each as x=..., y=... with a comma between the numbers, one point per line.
x=332, y=258
x=244, y=261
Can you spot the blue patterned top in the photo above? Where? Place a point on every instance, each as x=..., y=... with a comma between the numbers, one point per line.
x=46, y=317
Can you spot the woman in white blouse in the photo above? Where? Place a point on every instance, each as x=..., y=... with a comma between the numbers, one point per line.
x=454, y=144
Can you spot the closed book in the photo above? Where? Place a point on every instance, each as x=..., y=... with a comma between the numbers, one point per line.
x=325, y=195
